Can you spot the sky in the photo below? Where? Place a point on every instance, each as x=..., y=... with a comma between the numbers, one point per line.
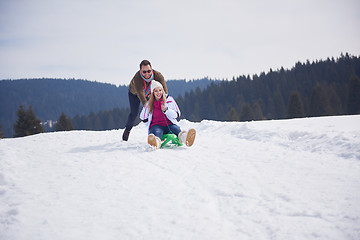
x=105, y=40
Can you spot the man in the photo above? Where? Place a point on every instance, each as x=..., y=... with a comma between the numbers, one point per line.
x=139, y=91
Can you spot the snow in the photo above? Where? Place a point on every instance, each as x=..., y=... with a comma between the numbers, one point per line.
x=283, y=179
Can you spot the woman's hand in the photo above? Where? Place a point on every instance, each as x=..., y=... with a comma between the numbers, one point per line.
x=163, y=107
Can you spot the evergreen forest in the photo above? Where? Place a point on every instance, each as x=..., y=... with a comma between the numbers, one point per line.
x=77, y=99
x=311, y=89
x=320, y=88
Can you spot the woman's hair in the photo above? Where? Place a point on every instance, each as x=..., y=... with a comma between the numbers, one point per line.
x=152, y=100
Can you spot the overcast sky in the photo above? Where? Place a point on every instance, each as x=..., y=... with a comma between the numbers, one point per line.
x=105, y=40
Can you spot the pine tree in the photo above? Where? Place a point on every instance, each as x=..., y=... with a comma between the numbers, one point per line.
x=258, y=114
x=335, y=101
x=211, y=107
x=97, y=123
x=354, y=95
x=76, y=121
x=233, y=115
x=110, y=123
x=64, y=123
x=91, y=121
x=21, y=125
x=295, y=106
x=27, y=123
x=279, y=106
x=270, y=109
x=246, y=113
x=196, y=112
x=319, y=102
x=1, y=133
x=220, y=112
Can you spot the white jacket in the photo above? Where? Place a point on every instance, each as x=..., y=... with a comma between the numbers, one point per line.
x=171, y=113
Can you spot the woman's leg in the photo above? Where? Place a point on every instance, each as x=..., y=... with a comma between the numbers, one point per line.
x=157, y=130
x=173, y=128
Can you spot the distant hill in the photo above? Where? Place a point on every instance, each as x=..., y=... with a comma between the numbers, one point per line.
x=319, y=88
x=50, y=97
x=180, y=87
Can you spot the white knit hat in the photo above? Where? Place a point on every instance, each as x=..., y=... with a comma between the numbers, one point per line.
x=155, y=84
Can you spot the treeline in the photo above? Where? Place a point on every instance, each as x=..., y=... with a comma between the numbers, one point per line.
x=28, y=124
x=102, y=120
x=320, y=88
x=50, y=97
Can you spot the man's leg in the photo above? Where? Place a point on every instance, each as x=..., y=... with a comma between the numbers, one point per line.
x=134, y=110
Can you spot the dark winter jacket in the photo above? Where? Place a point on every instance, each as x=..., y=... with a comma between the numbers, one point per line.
x=137, y=85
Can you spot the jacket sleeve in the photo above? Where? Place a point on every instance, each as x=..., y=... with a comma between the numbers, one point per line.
x=140, y=91
x=173, y=110
x=144, y=115
x=137, y=87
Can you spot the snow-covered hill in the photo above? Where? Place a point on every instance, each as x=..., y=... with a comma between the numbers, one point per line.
x=285, y=179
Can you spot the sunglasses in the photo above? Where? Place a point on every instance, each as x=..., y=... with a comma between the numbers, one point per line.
x=148, y=71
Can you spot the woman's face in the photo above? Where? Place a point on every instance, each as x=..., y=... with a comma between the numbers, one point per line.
x=158, y=92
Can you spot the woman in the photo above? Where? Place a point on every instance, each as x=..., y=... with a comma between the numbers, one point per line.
x=160, y=115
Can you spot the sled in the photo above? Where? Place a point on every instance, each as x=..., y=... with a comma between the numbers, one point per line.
x=170, y=140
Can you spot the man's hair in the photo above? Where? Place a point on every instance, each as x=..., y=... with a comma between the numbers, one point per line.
x=145, y=63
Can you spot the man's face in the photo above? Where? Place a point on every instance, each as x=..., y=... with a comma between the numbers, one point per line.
x=146, y=71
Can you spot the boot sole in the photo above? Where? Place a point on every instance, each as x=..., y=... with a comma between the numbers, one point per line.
x=190, y=138
x=152, y=141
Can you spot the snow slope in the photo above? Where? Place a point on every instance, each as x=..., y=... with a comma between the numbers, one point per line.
x=285, y=179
